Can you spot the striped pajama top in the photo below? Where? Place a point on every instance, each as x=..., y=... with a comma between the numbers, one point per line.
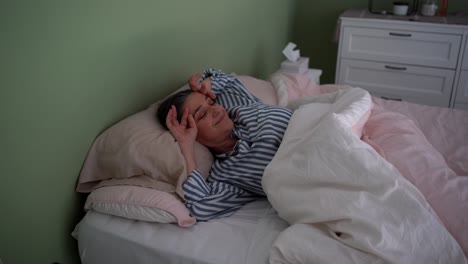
x=235, y=178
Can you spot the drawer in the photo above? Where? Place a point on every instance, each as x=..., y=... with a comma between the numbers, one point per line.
x=462, y=89
x=397, y=81
x=400, y=46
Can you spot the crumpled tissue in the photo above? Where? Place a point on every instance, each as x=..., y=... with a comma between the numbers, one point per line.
x=294, y=63
x=290, y=53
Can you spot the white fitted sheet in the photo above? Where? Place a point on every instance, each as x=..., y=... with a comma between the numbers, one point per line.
x=245, y=237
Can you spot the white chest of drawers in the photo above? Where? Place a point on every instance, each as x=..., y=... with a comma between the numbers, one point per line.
x=404, y=60
x=461, y=97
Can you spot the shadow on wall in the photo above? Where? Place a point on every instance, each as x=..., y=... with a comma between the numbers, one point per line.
x=314, y=32
x=157, y=64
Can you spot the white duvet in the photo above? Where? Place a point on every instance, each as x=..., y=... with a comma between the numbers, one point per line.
x=344, y=202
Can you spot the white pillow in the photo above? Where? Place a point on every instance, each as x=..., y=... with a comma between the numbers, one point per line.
x=139, y=203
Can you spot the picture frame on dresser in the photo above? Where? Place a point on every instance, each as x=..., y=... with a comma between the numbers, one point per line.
x=405, y=58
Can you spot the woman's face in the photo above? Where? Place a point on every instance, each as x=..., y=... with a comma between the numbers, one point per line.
x=213, y=124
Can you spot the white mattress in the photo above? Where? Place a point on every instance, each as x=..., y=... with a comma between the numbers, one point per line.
x=245, y=237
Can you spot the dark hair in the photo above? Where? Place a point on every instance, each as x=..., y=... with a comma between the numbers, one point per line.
x=178, y=101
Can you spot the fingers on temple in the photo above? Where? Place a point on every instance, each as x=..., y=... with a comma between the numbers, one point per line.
x=211, y=95
x=193, y=81
x=191, y=121
x=174, y=115
x=184, y=117
x=203, y=89
x=169, y=118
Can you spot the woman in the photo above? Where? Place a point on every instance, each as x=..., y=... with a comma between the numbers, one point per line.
x=241, y=131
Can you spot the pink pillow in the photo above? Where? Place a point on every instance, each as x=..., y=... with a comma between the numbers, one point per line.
x=263, y=90
x=293, y=86
x=140, y=203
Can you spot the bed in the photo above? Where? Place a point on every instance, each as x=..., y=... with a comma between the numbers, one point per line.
x=134, y=215
x=244, y=237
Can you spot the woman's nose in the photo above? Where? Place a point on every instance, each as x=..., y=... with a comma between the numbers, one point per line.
x=214, y=111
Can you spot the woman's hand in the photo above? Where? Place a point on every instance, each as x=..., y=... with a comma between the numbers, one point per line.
x=185, y=133
x=204, y=87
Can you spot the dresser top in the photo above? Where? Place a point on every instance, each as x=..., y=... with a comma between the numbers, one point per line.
x=460, y=19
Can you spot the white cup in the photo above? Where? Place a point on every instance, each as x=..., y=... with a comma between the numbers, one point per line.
x=429, y=9
x=400, y=8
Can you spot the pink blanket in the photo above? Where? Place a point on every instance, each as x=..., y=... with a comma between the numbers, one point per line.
x=405, y=146
x=428, y=145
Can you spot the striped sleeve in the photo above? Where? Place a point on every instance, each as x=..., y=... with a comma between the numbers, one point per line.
x=208, y=200
x=226, y=83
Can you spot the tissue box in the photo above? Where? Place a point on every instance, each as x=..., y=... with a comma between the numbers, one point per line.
x=311, y=74
x=299, y=66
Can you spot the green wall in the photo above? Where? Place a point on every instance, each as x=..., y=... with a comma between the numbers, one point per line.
x=69, y=69
x=314, y=29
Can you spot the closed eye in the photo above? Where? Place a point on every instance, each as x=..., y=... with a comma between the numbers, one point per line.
x=202, y=115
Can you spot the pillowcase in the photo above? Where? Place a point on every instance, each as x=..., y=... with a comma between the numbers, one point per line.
x=139, y=203
x=139, y=145
x=293, y=86
x=134, y=169
x=263, y=90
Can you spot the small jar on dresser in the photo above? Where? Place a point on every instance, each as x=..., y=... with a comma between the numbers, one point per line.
x=406, y=58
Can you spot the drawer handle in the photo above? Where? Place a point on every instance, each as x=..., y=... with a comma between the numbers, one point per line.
x=395, y=68
x=407, y=35
x=392, y=99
